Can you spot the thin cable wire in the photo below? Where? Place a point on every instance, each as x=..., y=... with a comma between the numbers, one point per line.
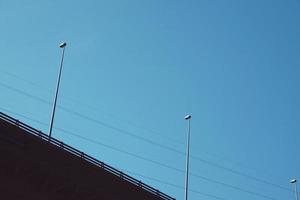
x=93, y=120
x=142, y=128
x=173, y=185
x=149, y=160
x=119, y=130
x=93, y=108
x=126, y=171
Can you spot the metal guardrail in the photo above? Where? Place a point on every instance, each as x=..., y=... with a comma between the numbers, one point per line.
x=84, y=156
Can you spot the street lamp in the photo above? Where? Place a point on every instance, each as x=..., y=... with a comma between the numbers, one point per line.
x=62, y=46
x=294, y=182
x=188, y=117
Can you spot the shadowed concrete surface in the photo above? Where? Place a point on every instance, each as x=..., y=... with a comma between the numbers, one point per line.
x=32, y=168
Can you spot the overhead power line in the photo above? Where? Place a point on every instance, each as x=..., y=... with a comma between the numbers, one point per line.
x=175, y=185
x=91, y=107
x=150, y=160
x=151, y=131
x=119, y=130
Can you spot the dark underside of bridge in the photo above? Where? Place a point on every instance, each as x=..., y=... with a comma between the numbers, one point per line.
x=33, y=168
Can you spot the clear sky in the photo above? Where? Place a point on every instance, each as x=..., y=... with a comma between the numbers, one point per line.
x=134, y=68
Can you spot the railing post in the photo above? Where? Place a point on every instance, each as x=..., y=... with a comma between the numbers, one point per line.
x=40, y=133
x=140, y=184
x=121, y=174
x=62, y=145
x=82, y=155
x=102, y=165
x=17, y=123
x=157, y=192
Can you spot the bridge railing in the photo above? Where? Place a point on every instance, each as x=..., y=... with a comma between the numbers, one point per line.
x=84, y=156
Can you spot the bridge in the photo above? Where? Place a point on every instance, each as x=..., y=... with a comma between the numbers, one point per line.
x=34, y=166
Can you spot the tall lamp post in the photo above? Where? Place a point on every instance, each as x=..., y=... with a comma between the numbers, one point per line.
x=62, y=46
x=188, y=118
x=294, y=182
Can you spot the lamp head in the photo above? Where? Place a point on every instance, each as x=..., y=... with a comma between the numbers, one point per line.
x=293, y=181
x=187, y=117
x=62, y=45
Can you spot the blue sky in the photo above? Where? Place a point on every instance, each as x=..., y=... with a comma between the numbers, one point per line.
x=133, y=69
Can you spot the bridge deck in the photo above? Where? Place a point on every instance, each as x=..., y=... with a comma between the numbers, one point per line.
x=34, y=168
